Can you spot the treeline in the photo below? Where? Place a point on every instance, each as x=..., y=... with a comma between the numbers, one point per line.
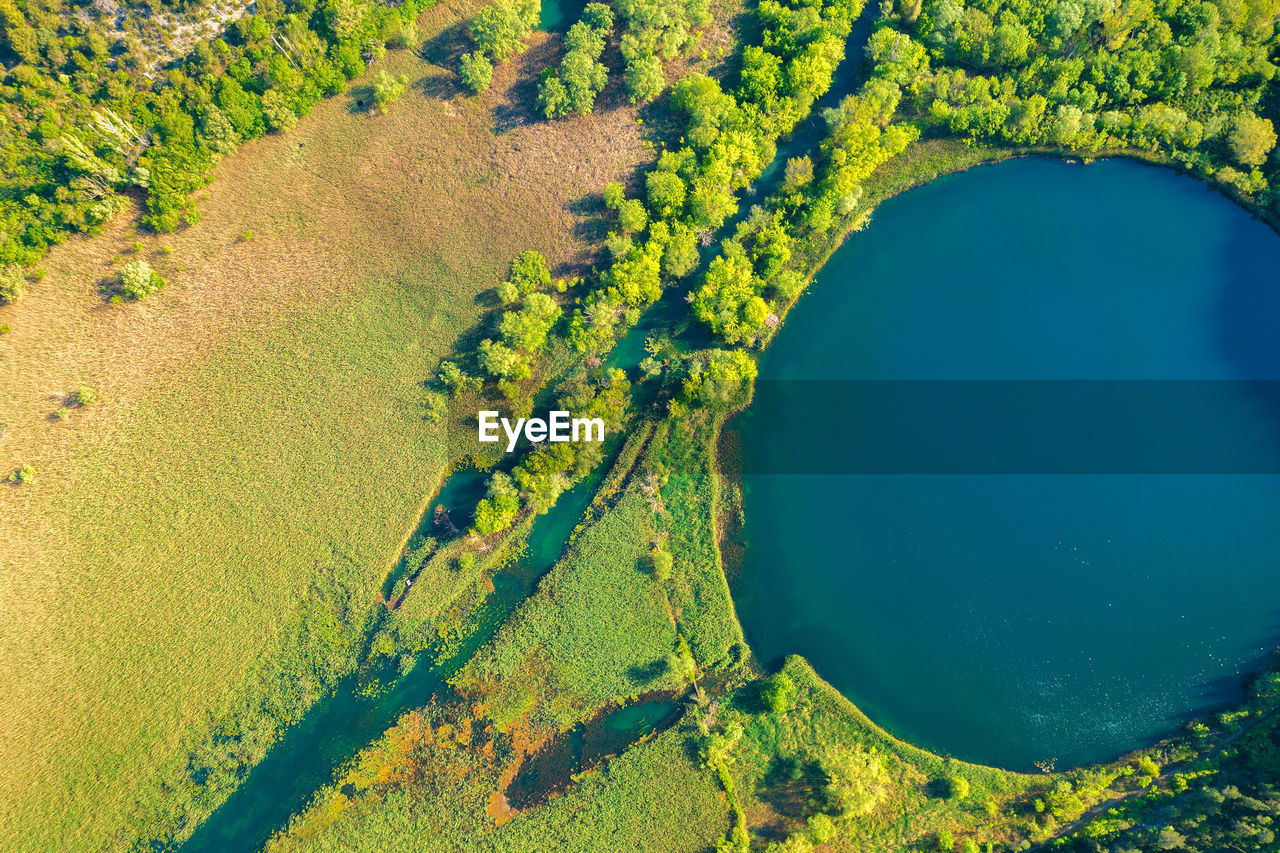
x=582, y=76
x=88, y=117
x=524, y=325
x=1187, y=79
x=729, y=137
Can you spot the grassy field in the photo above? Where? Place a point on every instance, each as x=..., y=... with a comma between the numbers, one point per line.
x=652, y=798
x=259, y=427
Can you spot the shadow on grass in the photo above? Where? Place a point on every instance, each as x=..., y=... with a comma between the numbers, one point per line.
x=360, y=100
x=446, y=48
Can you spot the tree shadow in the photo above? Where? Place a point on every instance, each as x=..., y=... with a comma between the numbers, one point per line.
x=519, y=105
x=793, y=787
x=646, y=673
x=360, y=100
x=445, y=86
x=446, y=47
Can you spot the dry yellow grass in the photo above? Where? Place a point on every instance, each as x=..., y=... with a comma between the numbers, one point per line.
x=258, y=418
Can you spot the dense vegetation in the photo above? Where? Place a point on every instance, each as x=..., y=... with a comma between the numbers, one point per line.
x=498, y=31
x=581, y=76
x=92, y=112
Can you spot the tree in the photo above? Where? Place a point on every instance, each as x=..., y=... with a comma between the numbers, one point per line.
x=388, y=88
x=476, y=71
x=583, y=78
x=13, y=284
x=1252, y=139
x=957, y=787
x=495, y=513
x=138, y=280
x=345, y=17
x=665, y=192
x=502, y=362
x=645, y=79
x=855, y=780
x=632, y=217
x=499, y=30
x=527, y=328
x=529, y=272
x=777, y=693
x=680, y=662
x=553, y=98
x=277, y=112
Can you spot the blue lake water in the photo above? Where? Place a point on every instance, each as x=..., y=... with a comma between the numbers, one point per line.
x=1009, y=618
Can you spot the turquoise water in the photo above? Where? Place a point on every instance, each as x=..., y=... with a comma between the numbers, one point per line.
x=558, y=15
x=1017, y=617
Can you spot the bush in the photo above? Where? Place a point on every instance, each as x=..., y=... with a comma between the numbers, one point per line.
x=388, y=89
x=24, y=475
x=662, y=563
x=13, y=284
x=476, y=71
x=84, y=396
x=957, y=788
x=778, y=693
x=138, y=280
x=499, y=30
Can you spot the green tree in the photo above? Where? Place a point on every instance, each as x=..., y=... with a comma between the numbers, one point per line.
x=476, y=71
x=278, y=112
x=662, y=564
x=13, y=283
x=388, y=88
x=1251, y=139
x=855, y=780
x=665, y=192
x=138, y=280
x=645, y=79
x=777, y=693
x=529, y=272
x=499, y=30
x=502, y=362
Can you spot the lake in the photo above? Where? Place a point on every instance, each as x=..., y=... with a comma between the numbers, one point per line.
x=1053, y=531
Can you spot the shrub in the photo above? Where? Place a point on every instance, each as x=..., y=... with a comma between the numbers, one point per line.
x=84, y=396
x=499, y=30
x=466, y=561
x=13, y=284
x=1148, y=767
x=476, y=71
x=662, y=563
x=388, y=89
x=957, y=787
x=777, y=693
x=946, y=841
x=138, y=280
x=25, y=474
